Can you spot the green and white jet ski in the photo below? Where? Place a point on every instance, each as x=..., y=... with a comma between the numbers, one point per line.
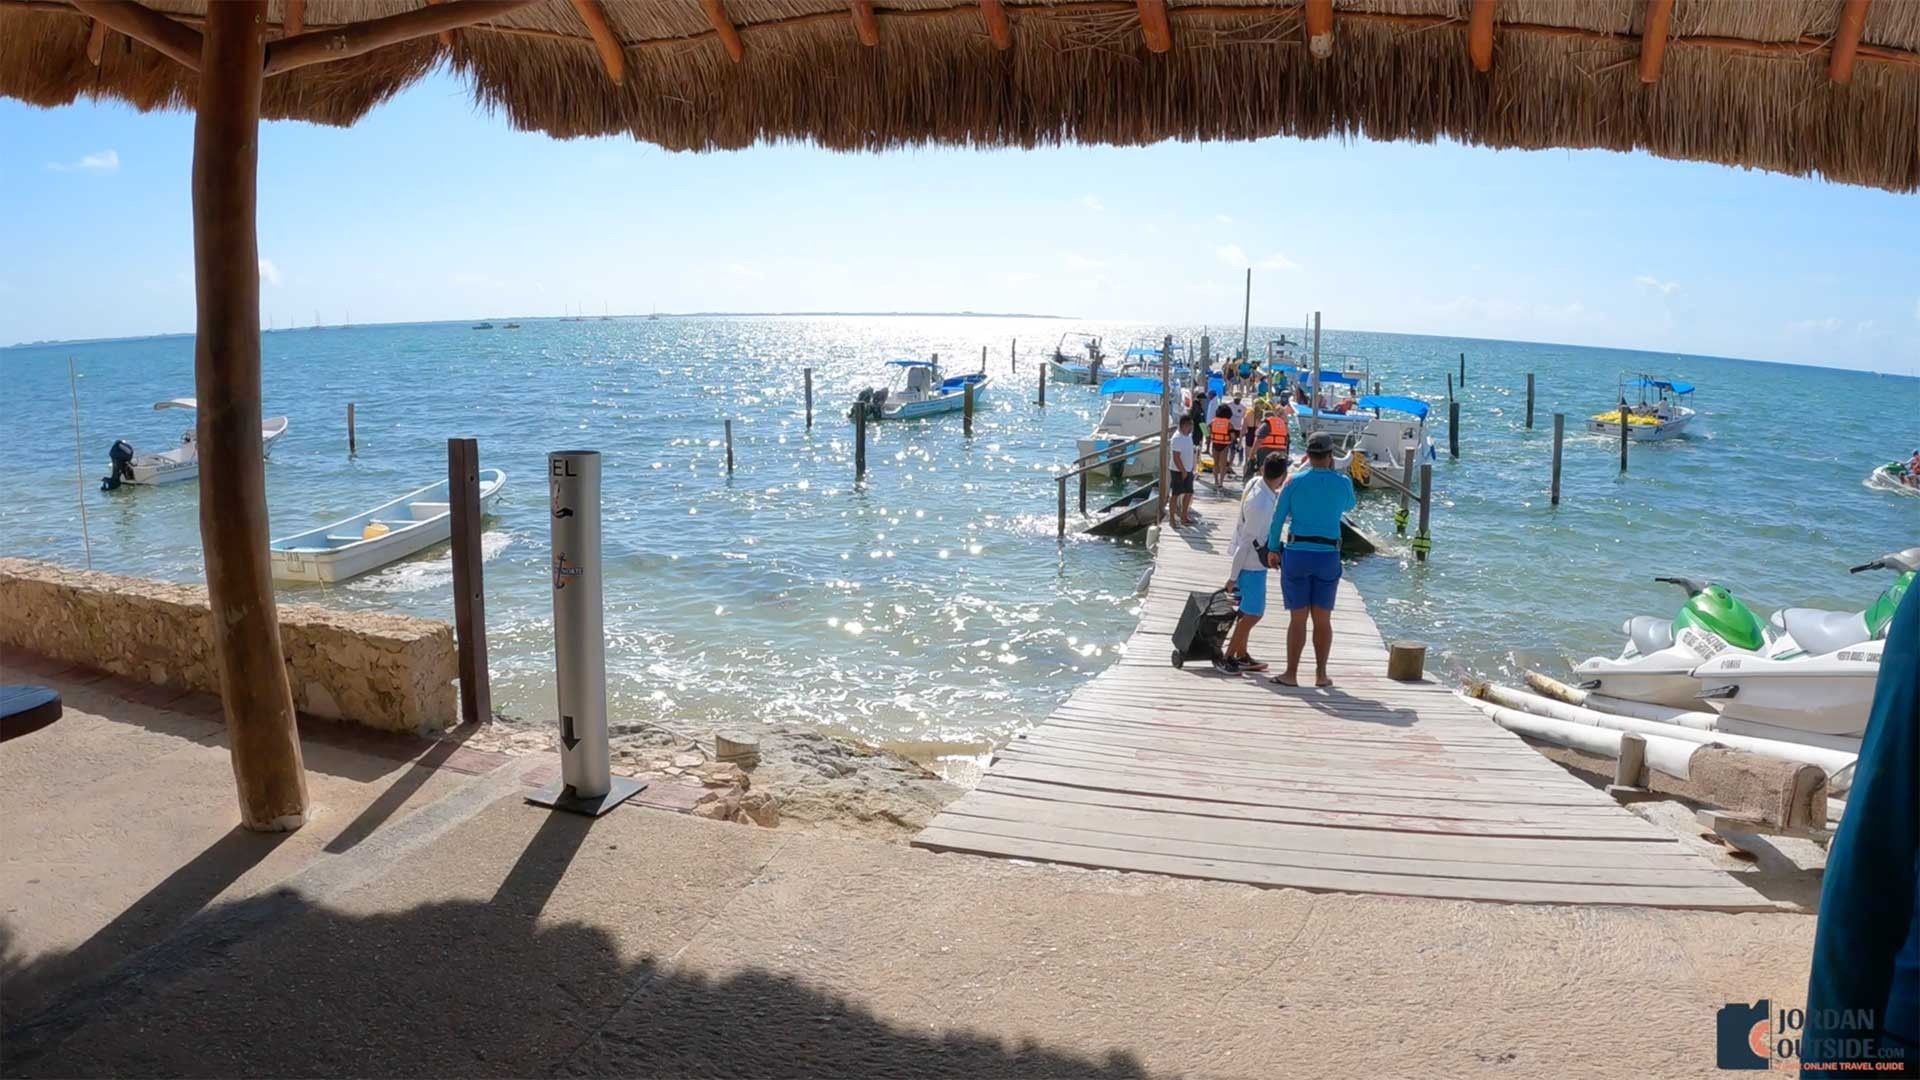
x=1658, y=661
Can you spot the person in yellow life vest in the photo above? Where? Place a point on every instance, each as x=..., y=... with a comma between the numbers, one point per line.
x=1272, y=438
x=1220, y=435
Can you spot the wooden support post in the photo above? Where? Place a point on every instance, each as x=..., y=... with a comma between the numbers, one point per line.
x=1426, y=513
x=254, y=690
x=859, y=443
x=1846, y=40
x=723, y=28
x=469, y=591
x=96, y=42
x=1083, y=492
x=1453, y=428
x=174, y=40
x=1559, y=436
x=1463, y=373
x=1653, y=39
x=999, y=31
x=734, y=746
x=1407, y=661
x=1632, y=761
x=1449, y=389
x=808, y=374
x=1043, y=385
x=1013, y=354
x=1529, y=401
x=1480, y=35
x=1319, y=28
x=864, y=23
x=1063, y=506
x=1153, y=25
x=966, y=412
x=359, y=38
x=293, y=17
x=983, y=359
x=1166, y=403
x=729, y=429
x=352, y=445
x=605, y=41
x=1406, y=489
x=1246, y=318
x=1625, y=427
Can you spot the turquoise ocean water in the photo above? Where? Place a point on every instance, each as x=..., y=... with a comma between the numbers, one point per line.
x=932, y=608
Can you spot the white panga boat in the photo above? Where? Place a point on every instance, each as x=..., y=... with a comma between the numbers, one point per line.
x=918, y=388
x=1132, y=409
x=1076, y=359
x=387, y=533
x=1653, y=418
x=1343, y=419
x=129, y=466
x=1381, y=447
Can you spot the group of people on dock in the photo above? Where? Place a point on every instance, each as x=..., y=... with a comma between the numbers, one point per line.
x=1288, y=524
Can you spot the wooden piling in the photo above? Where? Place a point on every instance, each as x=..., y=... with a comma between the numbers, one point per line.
x=1407, y=661
x=1463, y=371
x=469, y=591
x=1453, y=428
x=1426, y=512
x=1063, y=506
x=1083, y=492
x=808, y=373
x=1013, y=354
x=729, y=428
x=1529, y=401
x=966, y=409
x=1166, y=403
x=1449, y=390
x=1632, y=761
x=1406, y=487
x=1625, y=428
x=859, y=443
x=1043, y=385
x=1559, y=436
x=352, y=448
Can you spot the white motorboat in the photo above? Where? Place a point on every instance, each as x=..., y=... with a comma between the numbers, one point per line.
x=1077, y=358
x=129, y=466
x=919, y=389
x=1336, y=413
x=1131, y=409
x=1655, y=418
x=1823, y=680
x=367, y=541
x=1382, y=445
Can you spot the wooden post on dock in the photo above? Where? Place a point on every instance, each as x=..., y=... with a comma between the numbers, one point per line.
x=983, y=359
x=1206, y=353
x=1043, y=384
x=1013, y=354
x=1083, y=492
x=966, y=411
x=1463, y=371
x=1449, y=390
x=1529, y=401
x=1623, y=417
x=1453, y=428
x=729, y=426
x=1166, y=395
x=1406, y=481
x=351, y=448
x=469, y=591
x=1246, y=319
x=859, y=443
x=1422, y=541
x=1063, y=506
x=809, y=376
x=1559, y=434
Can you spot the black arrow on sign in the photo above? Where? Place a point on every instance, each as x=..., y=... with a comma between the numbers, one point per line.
x=567, y=738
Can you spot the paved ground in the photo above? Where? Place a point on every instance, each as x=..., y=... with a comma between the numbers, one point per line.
x=430, y=923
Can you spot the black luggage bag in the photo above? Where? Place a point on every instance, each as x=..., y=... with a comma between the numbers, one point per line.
x=1204, y=626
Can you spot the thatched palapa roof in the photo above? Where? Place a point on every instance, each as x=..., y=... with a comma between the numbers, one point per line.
x=1826, y=87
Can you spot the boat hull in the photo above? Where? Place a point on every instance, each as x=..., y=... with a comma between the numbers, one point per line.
x=306, y=559
x=174, y=466
x=936, y=405
x=1058, y=372
x=1142, y=463
x=1660, y=432
x=1657, y=680
x=1827, y=695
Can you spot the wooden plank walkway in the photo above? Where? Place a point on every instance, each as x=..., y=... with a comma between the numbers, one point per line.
x=1371, y=786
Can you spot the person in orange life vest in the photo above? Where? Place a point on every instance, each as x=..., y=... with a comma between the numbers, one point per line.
x=1220, y=436
x=1272, y=437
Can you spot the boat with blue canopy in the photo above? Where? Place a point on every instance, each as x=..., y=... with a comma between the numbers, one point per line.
x=1660, y=412
x=1394, y=426
x=1130, y=409
x=918, y=388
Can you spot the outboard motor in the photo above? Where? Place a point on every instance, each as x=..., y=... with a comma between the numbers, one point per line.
x=870, y=401
x=120, y=455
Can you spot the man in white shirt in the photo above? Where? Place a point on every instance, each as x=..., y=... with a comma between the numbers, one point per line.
x=1239, y=422
x=1250, y=560
x=1180, y=469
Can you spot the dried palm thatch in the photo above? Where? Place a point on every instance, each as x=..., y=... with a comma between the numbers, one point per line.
x=1752, y=83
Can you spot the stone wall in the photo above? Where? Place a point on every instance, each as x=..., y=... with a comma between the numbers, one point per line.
x=392, y=672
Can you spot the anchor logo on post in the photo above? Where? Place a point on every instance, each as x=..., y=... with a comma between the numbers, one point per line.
x=564, y=568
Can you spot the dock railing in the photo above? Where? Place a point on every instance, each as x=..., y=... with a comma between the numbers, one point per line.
x=1103, y=458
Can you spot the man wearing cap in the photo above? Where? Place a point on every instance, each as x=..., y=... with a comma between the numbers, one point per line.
x=1250, y=563
x=1313, y=500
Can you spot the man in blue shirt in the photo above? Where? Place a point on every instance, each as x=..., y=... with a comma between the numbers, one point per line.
x=1313, y=500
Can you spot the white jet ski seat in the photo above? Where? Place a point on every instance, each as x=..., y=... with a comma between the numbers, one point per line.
x=1649, y=634
x=1820, y=632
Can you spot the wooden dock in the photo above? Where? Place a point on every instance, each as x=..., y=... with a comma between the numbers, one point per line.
x=1372, y=786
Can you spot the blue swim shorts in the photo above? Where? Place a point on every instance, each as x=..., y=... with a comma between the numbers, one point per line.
x=1309, y=578
x=1253, y=592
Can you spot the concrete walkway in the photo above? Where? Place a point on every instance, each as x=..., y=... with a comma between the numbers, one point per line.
x=429, y=923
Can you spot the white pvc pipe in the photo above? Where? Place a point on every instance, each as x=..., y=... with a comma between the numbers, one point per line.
x=1837, y=763
x=1646, y=710
x=1668, y=755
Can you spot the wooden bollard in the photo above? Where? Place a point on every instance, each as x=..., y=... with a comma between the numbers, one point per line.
x=1043, y=384
x=1424, y=540
x=1463, y=371
x=1632, y=760
x=809, y=377
x=1559, y=436
x=859, y=443
x=729, y=424
x=1013, y=354
x=1449, y=389
x=1625, y=427
x=469, y=589
x=966, y=412
x=1407, y=661
x=1529, y=401
x=1453, y=428
x=1406, y=482
x=350, y=442
x=1083, y=491
x=735, y=747
x=1063, y=506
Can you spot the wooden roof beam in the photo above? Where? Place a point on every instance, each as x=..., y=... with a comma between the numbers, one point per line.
x=723, y=27
x=1320, y=28
x=96, y=42
x=999, y=30
x=605, y=41
x=176, y=42
x=446, y=36
x=358, y=39
x=1846, y=40
x=1480, y=35
x=293, y=18
x=864, y=22
x=1153, y=25
x=1653, y=39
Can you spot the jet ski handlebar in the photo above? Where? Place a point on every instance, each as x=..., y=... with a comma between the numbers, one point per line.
x=1899, y=560
x=1692, y=585
x=1874, y=565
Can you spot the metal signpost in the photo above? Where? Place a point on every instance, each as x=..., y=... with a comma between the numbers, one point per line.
x=587, y=784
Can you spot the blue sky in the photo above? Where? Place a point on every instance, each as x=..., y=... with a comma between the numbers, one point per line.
x=432, y=209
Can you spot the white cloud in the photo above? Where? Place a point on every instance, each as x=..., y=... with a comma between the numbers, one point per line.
x=1231, y=254
x=1236, y=256
x=1223, y=219
x=1277, y=261
x=1664, y=288
x=1827, y=325
x=104, y=161
x=269, y=273
x=1092, y=202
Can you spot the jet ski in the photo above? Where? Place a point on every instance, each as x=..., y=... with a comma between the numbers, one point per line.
x=1658, y=661
x=1823, y=681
